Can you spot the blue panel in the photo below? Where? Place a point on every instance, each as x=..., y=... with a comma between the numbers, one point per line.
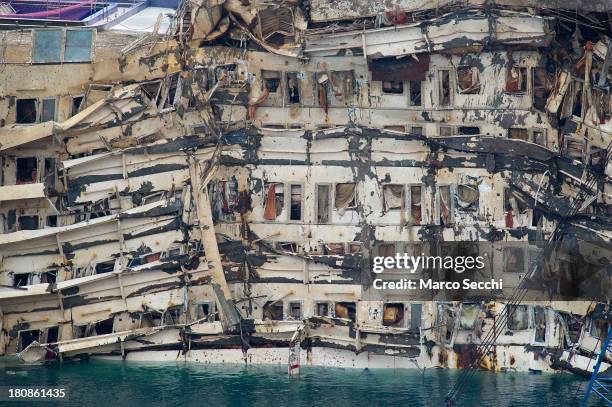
x=78, y=45
x=47, y=46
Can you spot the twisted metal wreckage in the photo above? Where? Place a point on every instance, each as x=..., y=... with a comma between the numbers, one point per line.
x=216, y=193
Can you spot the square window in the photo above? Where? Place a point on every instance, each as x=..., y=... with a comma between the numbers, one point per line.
x=345, y=196
x=271, y=80
x=393, y=314
x=27, y=170
x=26, y=111
x=273, y=310
x=394, y=87
x=516, y=80
x=468, y=81
x=274, y=201
x=48, y=110
x=322, y=309
x=47, y=46
x=295, y=310
x=516, y=133
x=345, y=310
x=393, y=197
x=78, y=45
x=514, y=260
x=446, y=131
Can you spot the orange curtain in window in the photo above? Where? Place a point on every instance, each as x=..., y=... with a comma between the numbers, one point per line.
x=270, y=209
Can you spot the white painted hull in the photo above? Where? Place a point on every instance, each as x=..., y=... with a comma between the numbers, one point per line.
x=510, y=358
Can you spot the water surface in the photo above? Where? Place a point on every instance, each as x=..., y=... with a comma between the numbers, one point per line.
x=115, y=383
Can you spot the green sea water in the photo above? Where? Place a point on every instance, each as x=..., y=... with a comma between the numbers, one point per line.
x=115, y=384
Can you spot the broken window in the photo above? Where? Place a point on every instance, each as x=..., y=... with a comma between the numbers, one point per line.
x=322, y=90
x=416, y=311
x=513, y=205
x=11, y=221
x=105, y=267
x=47, y=46
x=335, y=248
x=418, y=130
x=52, y=221
x=104, y=327
x=516, y=80
x=594, y=329
x=343, y=84
x=26, y=111
x=48, y=110
x=539, y=320
x=323, y=204
x=393, y=197
x=513, y=202
x=48, y=277
x=393, y=314
x=173, y=316
x=514, y=260
x=469, y=316
x=321, y=309
x=290, y=247
x=517, y=133
x=601, y=103
x=446, y=131
x=273, y=310
x=386, y=250
x=345, y=310
x=518, y=317
x=151, y=90
x=468, y=196
x=22, y=279
x=173, y=84
x=542, y=85
x=28, y=337
x=574, y=148
x=76, y=104
x=27, y=170
x=467, y=80
x=536, y=217
x=345, y=196
x=295, y=310
x=446, y=208
x=468, y=130
x=49, y=173
x=224, y=198
x=354, y=247
x=28, y=222
x=539, y=137
x=293, y=87
x=444, y=95
x=393, y=87
x=416, y=216
x=415, y=93
x=274, y=201
x=271, y=80
x=204, y=311
x=52, y=334
x=296, y=202
x=398, y=127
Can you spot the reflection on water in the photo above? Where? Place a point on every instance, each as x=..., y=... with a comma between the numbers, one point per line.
x=106, y=383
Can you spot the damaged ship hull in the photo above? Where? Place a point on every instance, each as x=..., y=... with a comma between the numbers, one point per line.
x=218, y=193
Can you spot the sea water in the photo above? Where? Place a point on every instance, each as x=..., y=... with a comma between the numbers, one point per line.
x=116, y=384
